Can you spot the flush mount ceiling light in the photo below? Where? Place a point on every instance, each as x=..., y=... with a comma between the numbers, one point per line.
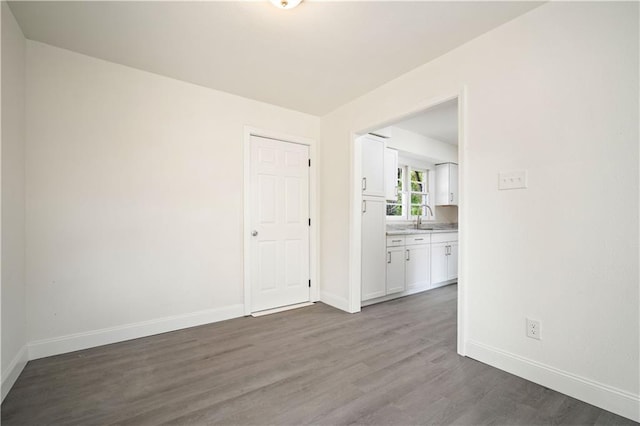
x=285, y=4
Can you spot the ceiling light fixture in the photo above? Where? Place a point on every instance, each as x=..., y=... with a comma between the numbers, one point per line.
x=285, y=4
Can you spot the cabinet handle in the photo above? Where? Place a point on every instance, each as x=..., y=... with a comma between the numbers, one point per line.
x=388, y=257
x=364, y=206
x=364, y=183
x=451, y=197
x=396, y=241
x=408, y=255
x=448, y=250
x=418, y=239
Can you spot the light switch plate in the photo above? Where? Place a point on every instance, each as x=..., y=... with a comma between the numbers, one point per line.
x=512, y=180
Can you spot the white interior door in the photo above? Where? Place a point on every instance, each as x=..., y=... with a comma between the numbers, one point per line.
x=280, y=223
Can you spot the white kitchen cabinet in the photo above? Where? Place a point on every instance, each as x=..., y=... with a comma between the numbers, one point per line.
x=373, y=248
x=439, y=263
x=447, y=184
x=417, y=266
x=444, y=258
x=391, y=174
x=373, y=155
x=395, y=269
x=452, y=261
x=408, y=263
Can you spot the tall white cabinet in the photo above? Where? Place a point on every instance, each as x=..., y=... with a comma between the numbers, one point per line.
x=373, y=153
x=391, y=174
x=379, y=166
x=373, y=247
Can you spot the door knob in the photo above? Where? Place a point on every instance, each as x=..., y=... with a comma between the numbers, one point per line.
x=254, y=233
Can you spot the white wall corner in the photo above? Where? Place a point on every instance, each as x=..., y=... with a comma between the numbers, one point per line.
x=105, y=336
x=606, y=397
x=335, y=301
x=14, y=369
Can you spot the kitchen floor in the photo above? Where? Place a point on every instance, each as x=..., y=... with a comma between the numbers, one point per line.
x=394, y=363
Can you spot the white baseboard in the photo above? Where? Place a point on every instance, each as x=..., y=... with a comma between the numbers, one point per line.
x=14, y=369
x=105, y=336
x=335, y=301
x=606, y=397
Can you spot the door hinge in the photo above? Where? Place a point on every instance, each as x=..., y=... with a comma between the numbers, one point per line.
x=309, y=162
x=309, y=283
x=309, y=221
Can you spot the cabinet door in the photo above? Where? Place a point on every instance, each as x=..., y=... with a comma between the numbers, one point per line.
x=439, y=267
x=447, y=184
x=391, y=174
x=452, y=261
x=417, y=266
x=373, y=166
x=453, y=184
x=373, y=248
x=395, y=269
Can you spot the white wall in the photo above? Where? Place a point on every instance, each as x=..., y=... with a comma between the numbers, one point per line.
x=554, y=92
x=13, y=205
x=134, y=199
x=434, y=150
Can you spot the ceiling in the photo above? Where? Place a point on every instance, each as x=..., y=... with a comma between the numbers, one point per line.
x=439, y=122
x=313, y=58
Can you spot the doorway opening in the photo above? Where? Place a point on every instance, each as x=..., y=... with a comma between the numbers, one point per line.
x=408, y=206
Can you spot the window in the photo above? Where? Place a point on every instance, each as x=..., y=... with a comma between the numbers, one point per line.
x=419, y=192
x=412, y=194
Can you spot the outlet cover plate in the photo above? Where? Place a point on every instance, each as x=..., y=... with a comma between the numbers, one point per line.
x=533, y=329
x=512, y=180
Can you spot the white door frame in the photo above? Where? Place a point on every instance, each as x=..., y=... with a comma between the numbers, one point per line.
x=355, y=237
x=314, y=291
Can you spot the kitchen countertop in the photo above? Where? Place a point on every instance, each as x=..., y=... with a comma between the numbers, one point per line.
x=411, y=231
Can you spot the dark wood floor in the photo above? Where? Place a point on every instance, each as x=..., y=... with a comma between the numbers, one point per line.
x=394, y=363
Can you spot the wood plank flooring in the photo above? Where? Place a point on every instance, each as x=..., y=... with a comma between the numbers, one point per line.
x=395, y=363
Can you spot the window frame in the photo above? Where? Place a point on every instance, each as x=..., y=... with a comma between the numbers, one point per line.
x=407, y=192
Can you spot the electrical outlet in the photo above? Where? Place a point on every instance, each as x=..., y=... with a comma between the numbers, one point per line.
x=512, y=180
x=533, y=329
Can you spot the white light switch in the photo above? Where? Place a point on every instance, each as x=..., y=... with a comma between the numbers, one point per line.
x=512, y=180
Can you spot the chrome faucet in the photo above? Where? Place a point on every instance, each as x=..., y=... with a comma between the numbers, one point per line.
x=419, y=218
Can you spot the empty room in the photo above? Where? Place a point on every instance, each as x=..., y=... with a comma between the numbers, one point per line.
x=285, y=212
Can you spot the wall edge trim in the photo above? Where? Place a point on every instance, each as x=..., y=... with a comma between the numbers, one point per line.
x=607, y=397
x=14, y=369
x=335, y=301
x=105, y=336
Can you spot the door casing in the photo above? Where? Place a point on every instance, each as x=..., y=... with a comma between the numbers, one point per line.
x=314, y=291
x=355, y=220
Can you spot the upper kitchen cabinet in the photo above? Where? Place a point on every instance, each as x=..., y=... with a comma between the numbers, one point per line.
x=373, y=154
x=447, y=184
x=391, y=174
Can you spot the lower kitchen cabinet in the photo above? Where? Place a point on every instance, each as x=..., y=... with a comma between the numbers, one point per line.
x=395, y=269
x=452, y=261
x=417, y=266
x=408, y=262
x=414, y=262
x=444, y=259
x=439, y=264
